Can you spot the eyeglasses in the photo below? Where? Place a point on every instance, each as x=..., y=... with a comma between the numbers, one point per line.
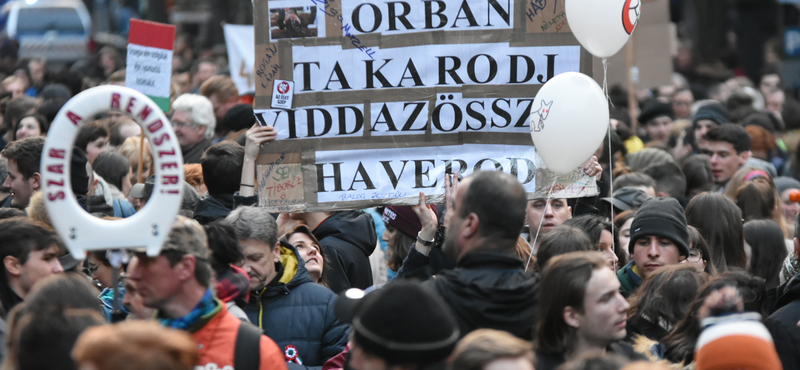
x=695, y=255
x=182, y=124
x=90, y=269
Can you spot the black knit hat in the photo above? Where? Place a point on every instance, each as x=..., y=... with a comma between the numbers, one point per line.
x=662, y=217
x=400, y=323
x=713, y=111
x=654, y=110
x=239, y=117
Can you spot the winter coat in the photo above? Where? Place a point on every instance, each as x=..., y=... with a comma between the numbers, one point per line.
x=297, y=311
x=216, y=342
x=490, y=290
x=348, y=238
x=195, y=153
x=218, y=206
x=783, y=325
x=629, y=281
x=645, y=327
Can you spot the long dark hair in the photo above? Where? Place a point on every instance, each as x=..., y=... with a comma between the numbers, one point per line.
x=564, y=279
x=720, y=222
x=399, y=248
x=698, y=242
x=112, y=167
x=666, y=294
x=756, y=199
x=681, y=341
x=619, y=221
x=44, y=124
x=224, y=245
x=768, y=250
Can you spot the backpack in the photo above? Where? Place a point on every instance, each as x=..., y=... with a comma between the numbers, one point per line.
x=247, y=353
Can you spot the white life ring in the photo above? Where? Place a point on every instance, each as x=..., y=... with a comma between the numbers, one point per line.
x=81, y=231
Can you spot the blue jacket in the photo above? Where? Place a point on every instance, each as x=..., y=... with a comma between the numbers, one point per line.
x=299, y=312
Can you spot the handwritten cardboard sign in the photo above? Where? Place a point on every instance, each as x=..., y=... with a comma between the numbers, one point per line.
x=391, y=97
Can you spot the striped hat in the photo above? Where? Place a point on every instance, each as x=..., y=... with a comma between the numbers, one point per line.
x=737, y=341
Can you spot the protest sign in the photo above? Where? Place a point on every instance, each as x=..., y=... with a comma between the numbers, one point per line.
x=239, y=41
x=80, y=230
x=149, y=63
x=391, y=97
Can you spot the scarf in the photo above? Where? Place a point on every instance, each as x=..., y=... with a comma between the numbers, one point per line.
x=789, y=269
x=204, y=311
x=233, y=284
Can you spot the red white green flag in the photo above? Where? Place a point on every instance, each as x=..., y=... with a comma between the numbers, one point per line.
x=149, y=61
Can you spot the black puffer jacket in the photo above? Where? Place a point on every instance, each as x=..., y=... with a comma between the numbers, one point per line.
x=348, y=238
x=298, y=313
x=490, y=290
x=783, y=325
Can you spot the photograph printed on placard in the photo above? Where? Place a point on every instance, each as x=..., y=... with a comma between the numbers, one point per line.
x=292, y=19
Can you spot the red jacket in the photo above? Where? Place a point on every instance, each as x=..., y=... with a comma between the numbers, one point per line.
x=216, y=342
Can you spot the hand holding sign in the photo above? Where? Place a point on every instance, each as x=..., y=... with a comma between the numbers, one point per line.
x=568, y=120
x=603, y=27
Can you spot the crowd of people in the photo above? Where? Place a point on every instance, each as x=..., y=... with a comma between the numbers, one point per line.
x=687, y=258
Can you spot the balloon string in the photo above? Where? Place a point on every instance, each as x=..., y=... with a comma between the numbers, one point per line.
x=605, y=81
x=546, y=204
x=611, y=192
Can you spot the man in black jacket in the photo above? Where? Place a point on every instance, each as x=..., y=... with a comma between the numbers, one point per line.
x=488, y=288
x=782, y=324
x=222, y=172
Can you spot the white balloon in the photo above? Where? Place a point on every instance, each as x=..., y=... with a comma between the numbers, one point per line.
x=603, y=26
x=569, y=119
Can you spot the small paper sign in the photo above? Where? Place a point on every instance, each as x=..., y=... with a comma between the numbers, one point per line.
x=282, y=93
x=149, y=65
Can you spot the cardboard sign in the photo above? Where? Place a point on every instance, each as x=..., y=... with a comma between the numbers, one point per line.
x=149, y=64
x=390, y=97
x=147, y=228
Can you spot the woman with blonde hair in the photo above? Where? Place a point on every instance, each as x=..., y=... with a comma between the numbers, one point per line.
x=130, y=149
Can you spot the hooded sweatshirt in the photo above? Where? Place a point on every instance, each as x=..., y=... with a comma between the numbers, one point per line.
x=348, y=238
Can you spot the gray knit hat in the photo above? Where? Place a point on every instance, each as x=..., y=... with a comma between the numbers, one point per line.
x=784, y=183
x=647, y=157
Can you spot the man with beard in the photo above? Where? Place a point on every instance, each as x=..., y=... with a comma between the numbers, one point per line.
x=489, y=287
x=285, y=302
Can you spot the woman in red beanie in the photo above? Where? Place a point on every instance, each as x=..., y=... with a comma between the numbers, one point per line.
x=402, y=229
